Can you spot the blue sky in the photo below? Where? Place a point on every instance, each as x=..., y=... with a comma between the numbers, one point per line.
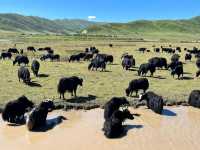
x=104, y=10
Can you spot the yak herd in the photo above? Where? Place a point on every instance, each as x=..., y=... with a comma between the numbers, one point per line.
x=116, y=110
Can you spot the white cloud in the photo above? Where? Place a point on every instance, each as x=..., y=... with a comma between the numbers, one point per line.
x=92, y=17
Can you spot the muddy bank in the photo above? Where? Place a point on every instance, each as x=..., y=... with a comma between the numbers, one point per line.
x=177, y=128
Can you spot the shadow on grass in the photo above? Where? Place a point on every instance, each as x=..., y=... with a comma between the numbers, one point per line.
x=82, y=99
x=34, y=84
x=186, y=78
x=43, y=75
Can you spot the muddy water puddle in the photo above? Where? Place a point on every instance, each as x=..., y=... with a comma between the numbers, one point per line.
x=177, y=129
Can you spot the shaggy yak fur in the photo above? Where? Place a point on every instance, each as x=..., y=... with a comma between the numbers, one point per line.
x=14, y=110
x=69, y=84
x=154, y=102
x=38, y=115
x=194, y=98
x=113, y=127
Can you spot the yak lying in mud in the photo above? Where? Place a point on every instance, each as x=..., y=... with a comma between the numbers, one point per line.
x=113, y=127
x=69, y=84
x=24, y=74
x=37, y=117
x=5, y=55
x=194, y=98
x=154, y=102
x=114, y=104
x=14, y=110
x=145, y=68
x=21, y=60
x=35, y=66
x=136, y=85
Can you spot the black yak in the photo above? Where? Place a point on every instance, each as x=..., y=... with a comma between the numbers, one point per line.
x=198, y=63
x=24, y=74
x=154, y=102
x=69, y=84
x=159, y=62
x=21, y=60
x=5, y=55
x=114, y=104
x=136, y=85
x=145, y=68
x=13, y=50
x=37, y=117
x=31, y=48
x=35, y=66
x=188, y=57
x=73, y=58
x=96, y=63
x=194, y=98
x=14, y=110
x=113, y=127
x=128, y=61
x=198, y=73
x=178, y=70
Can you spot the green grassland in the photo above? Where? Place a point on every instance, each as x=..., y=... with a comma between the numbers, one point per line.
x=103, y=85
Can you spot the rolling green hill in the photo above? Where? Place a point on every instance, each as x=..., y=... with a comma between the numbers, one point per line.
x=190, y=26
x=32, y=24
x=20, y=23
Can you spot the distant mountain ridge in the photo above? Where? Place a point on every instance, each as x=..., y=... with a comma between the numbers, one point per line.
x=20, y=23
x=33, y=24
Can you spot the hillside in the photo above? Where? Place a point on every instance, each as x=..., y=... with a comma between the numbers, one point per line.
x=20, y=23
x=189, y=26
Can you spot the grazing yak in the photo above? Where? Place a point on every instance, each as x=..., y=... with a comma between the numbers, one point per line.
x=73, y=58
x=14, y=110
x=188, y=57
x=13, y=50
x=136, y=85
x=159, y=62
x=35, y=66
x=128, y=61
x=37, y=117
x=105, y=57
x=142, y=49
x=5, y=55
x=21, y=60
x=96, y=63
x=144, y=68
x=52, y=57
x=24, y=74
x=178, y=70
x=154, y=102
x=31, y=48
x=157, y=50
x=194, y=98
x=113, y=127
x=69, y=84
x=114, y=104
x=167, y=50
